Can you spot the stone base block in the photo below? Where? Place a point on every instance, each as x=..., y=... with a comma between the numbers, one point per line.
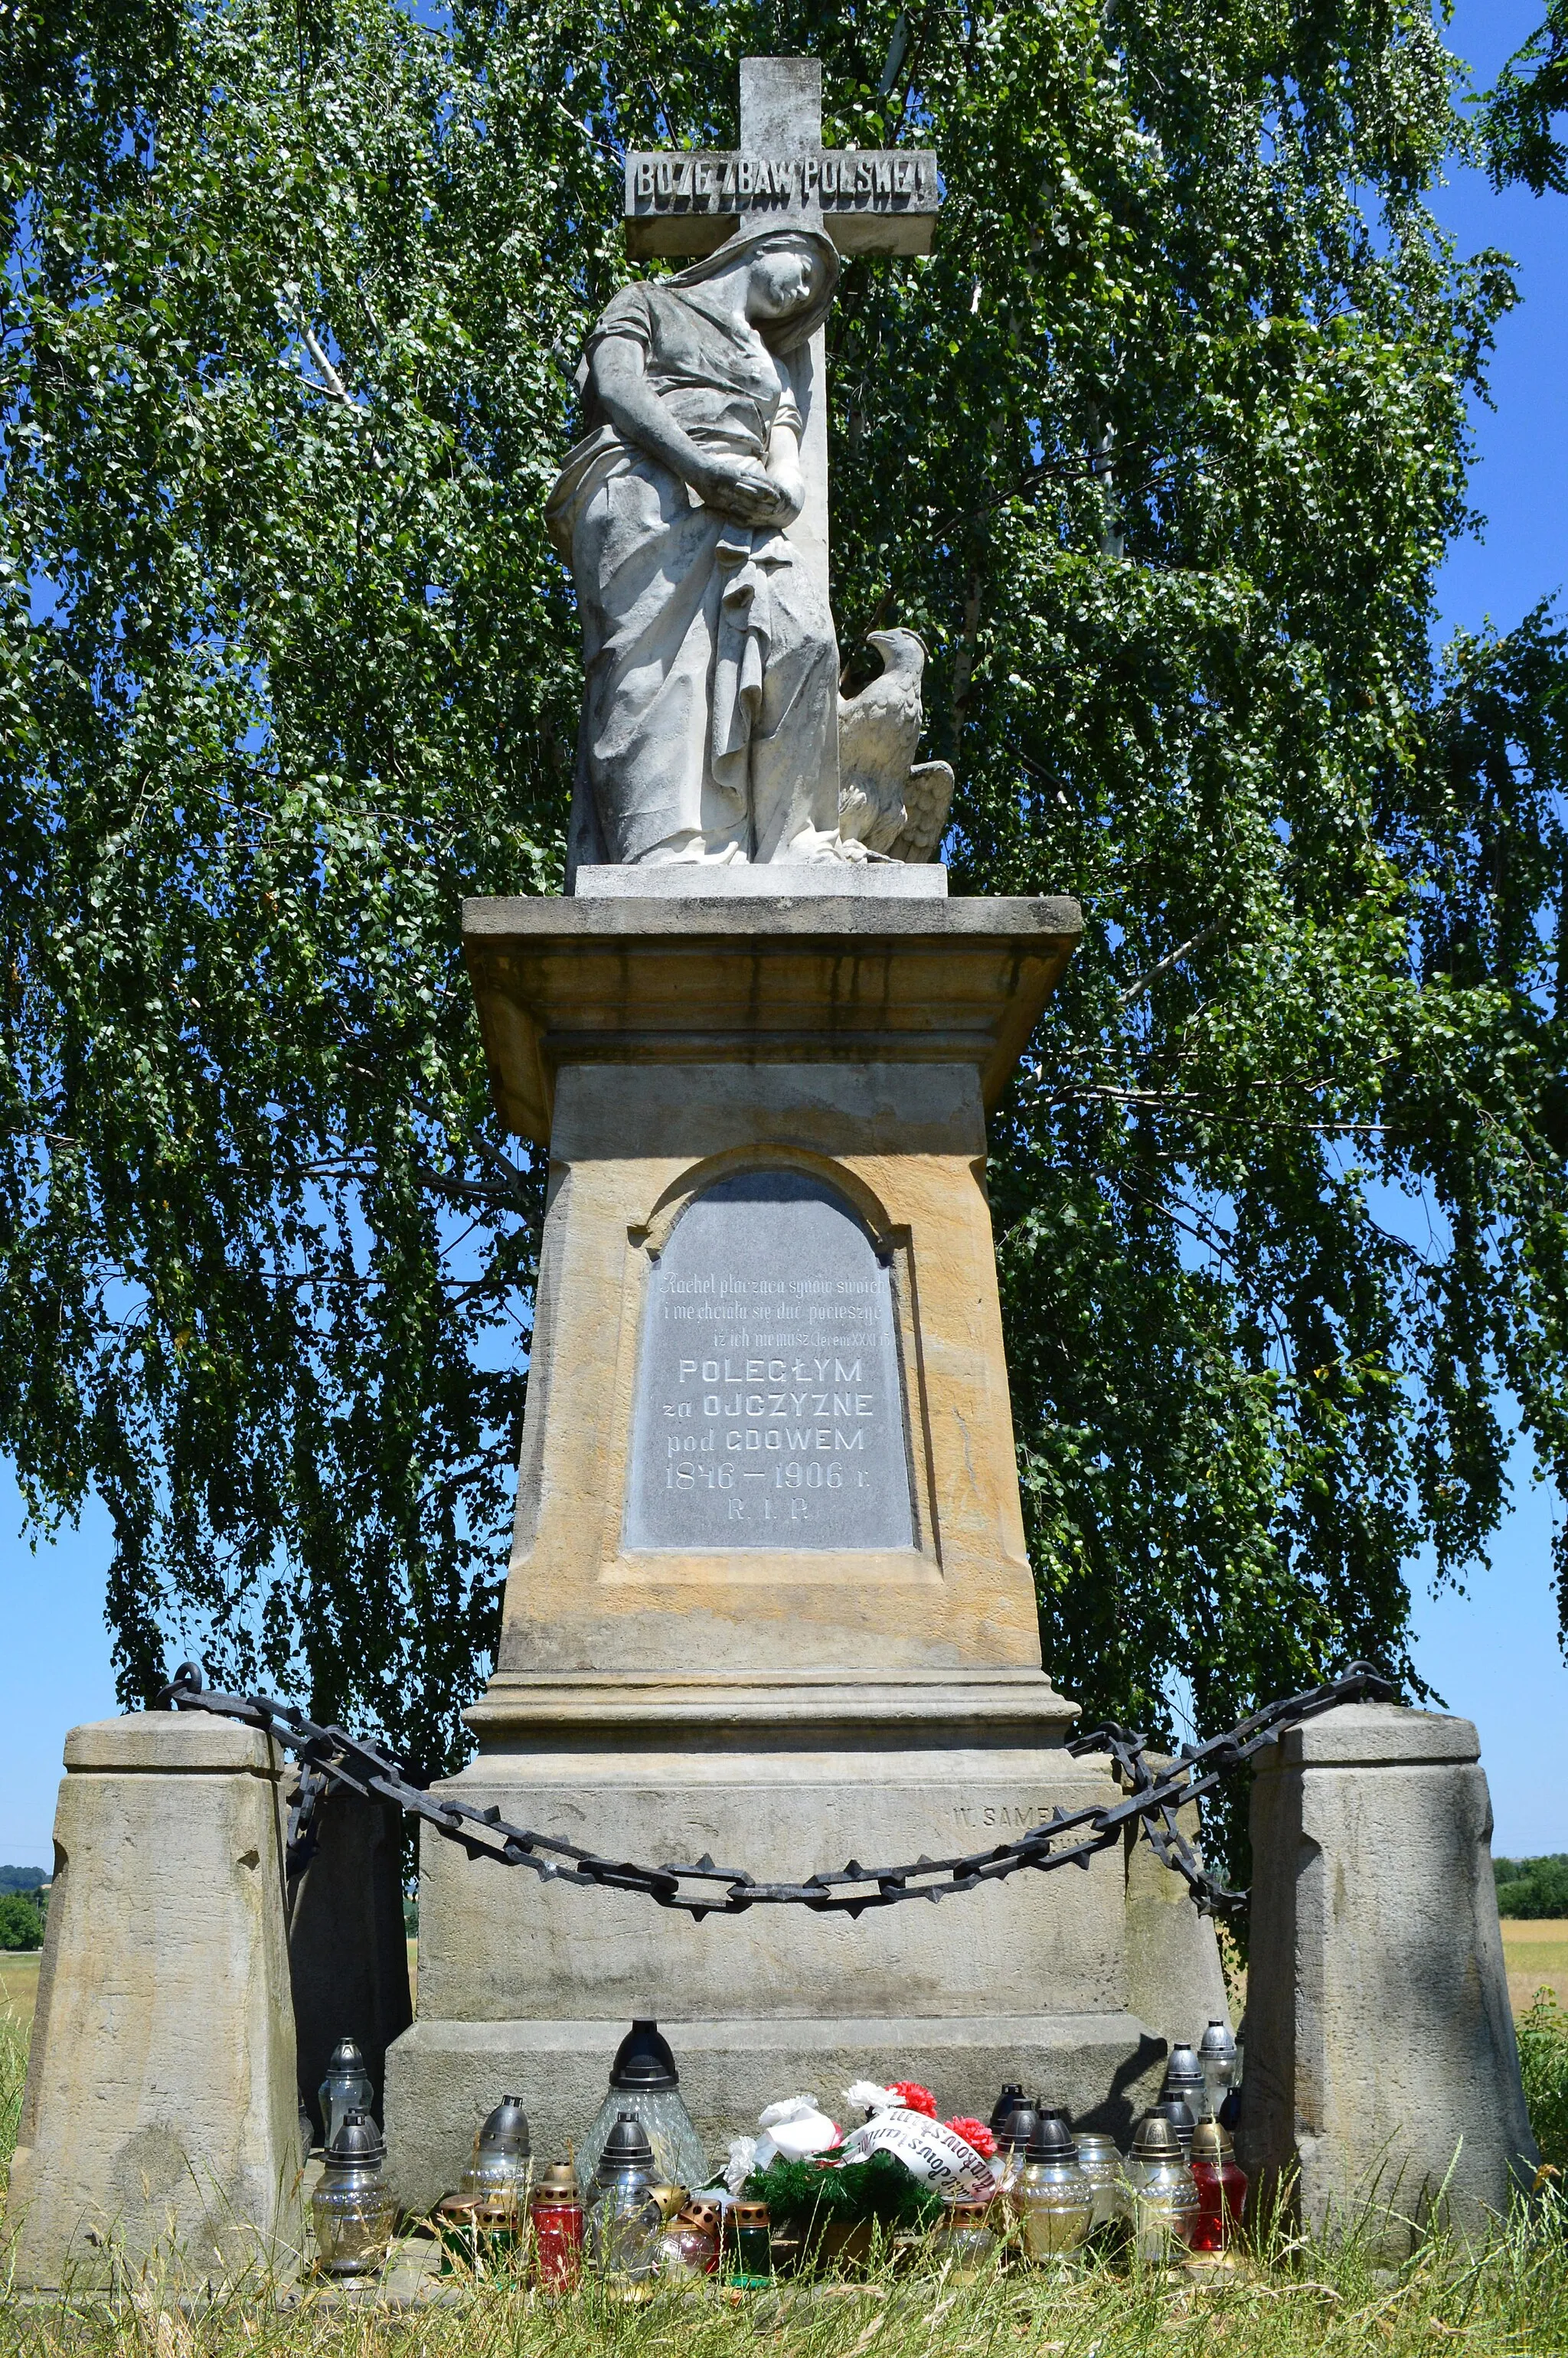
x=159, y=2122
x=527, y=1987
x=1381, y=2069
x=443, y=2077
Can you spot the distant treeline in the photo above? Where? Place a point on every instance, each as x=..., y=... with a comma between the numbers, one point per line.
x=24, y=1903
x=1532, y=1886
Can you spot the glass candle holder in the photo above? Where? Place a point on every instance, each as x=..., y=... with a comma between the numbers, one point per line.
x=966, y=2243
x=622, y=2219
x=688, y=2248
x=352, y=2210
x=644, y=2083
x=751, y=2244
x=1100, y=2161
x=497, y=2177
x=1011, y=2145
x=1217, y=2056
x=346, y=2088
x=1055, y=2200
x=1162, y=2198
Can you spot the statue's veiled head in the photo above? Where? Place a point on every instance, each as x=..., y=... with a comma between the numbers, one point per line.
x=793, y=270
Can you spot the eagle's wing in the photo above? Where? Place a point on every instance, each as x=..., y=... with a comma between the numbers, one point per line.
x=927, y=800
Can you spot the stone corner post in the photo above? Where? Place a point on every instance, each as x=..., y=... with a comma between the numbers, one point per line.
x=1381, y=2060
x=159, y=2121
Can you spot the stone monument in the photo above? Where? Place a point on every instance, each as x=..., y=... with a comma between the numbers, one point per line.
x=769, y=1596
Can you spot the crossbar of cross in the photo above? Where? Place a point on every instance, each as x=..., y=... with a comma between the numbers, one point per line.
x=868, y=202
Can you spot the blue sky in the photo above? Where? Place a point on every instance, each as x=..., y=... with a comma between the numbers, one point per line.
x=1492, y=1654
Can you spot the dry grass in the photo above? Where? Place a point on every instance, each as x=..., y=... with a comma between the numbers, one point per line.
x=1293, y=2298
x=20, y=1983
x=1508, y=2302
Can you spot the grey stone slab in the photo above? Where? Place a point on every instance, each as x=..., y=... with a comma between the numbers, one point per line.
x=348, y=1954
x=1380, y=2056
x=167, y=1744
x=856, y=982
x=1378, y=1736
x=818, y=880
x=769, y=1410
x=501, y=1944
x=442, y=2077
x=565, y=919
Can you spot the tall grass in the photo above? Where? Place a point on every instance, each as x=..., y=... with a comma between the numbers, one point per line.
x=1511, y=2301
x=1543, y=2063
x=13, y=2071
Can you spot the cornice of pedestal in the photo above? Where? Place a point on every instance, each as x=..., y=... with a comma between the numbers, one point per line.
x=797, y=979
x=1018, y=1706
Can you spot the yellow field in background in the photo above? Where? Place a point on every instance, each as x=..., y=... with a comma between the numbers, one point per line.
x=19, y=1982
x=1537, y=1955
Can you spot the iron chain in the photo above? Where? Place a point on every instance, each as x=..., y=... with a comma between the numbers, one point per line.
x=1151, y=1796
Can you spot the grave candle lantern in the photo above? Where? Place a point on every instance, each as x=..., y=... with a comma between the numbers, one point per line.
x=966, y=2241
x=1216, y=2054
x=1011, y=2145
x=1161, y=2195
x=352, y=2209
x=688, y=2248
x=347, y=2088
x=557, y=2218
x=1100, y=2162
x=1008, y=2102
x=645, y=2086
x=754, y=2251
x=497, y=2176
x=1056, y=2201
x=1185, y=2078
x=1222, y=2187
x=622, y=2222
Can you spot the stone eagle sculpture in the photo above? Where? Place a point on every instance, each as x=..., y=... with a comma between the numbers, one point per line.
x=887, y=800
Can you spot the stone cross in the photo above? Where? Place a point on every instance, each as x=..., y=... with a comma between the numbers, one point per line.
x=869, y=202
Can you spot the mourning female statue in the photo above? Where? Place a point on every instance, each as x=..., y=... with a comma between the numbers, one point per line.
x=710, y=699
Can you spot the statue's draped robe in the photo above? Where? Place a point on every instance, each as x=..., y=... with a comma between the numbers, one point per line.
x=712, y=666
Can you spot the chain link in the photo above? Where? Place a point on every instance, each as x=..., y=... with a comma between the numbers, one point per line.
x=1151, y=1798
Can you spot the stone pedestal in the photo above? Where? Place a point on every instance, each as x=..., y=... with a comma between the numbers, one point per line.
x=767, y=1596
x=1380, y=2057
x=159, y=2122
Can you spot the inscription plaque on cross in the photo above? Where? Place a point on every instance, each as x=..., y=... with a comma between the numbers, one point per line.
x=868, y=202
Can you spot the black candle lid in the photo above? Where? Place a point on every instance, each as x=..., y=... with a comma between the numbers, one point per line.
x=1016, y=2129
x=626, y=2146
x=1051, y=2140
x=643, y=2061
x=358, y=2140
x=1008, y=2102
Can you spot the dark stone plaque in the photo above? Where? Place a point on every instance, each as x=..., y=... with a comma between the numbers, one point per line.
x=769, y=1410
